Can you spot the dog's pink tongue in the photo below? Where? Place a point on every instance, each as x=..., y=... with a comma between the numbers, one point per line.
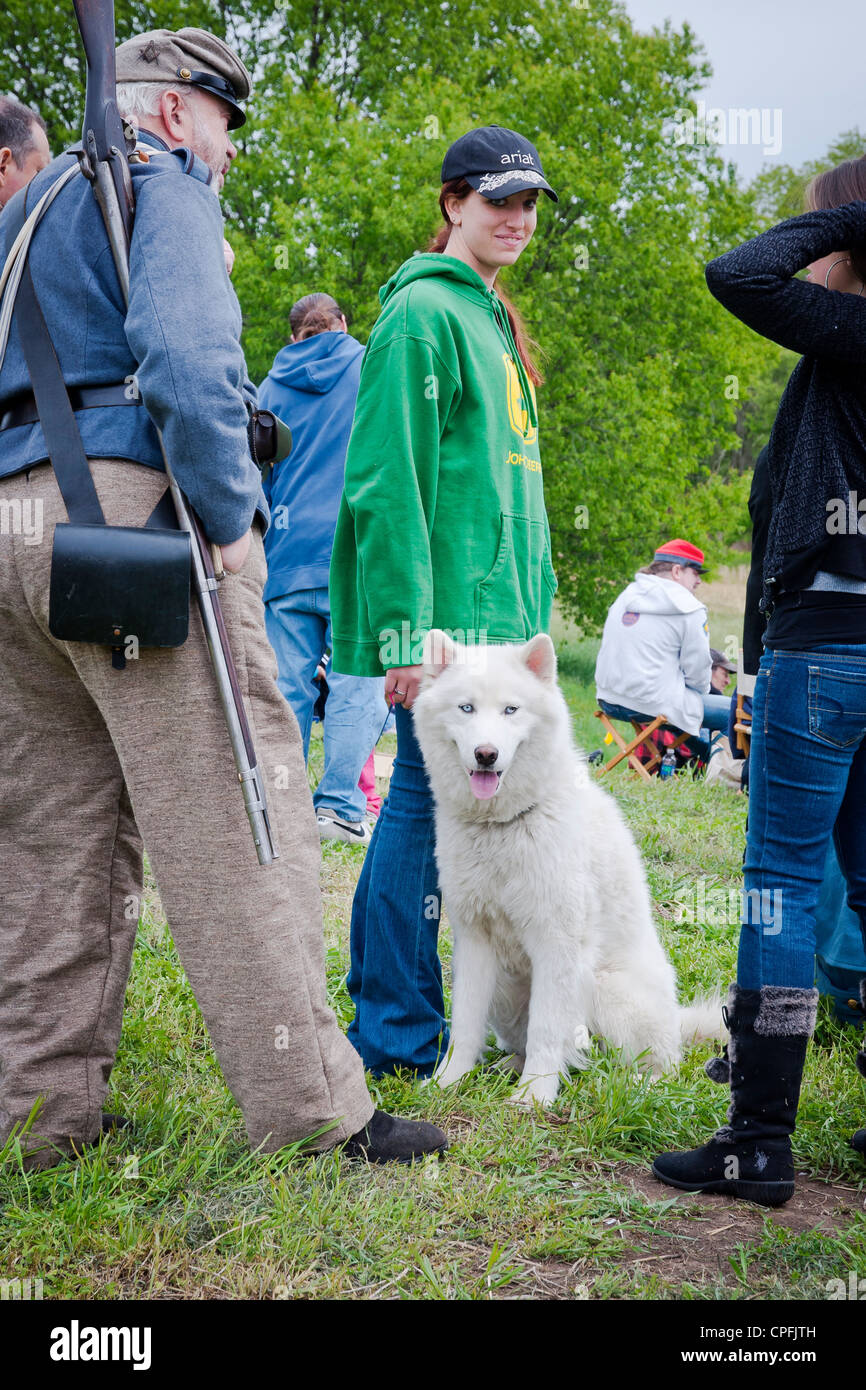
x=484, y=784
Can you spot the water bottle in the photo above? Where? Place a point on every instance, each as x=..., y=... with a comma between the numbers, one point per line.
x=669, y=764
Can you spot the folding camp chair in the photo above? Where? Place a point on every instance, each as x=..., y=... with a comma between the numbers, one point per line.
x=644, y=731
x=743, y=721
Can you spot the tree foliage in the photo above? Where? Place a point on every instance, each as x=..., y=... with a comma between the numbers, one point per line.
x=779, y=189
x=354, y=107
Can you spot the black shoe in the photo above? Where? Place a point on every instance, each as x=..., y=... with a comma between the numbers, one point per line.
x=108, y=1124
x=112, y=1122
x=750, y=1157
x=387, y=1139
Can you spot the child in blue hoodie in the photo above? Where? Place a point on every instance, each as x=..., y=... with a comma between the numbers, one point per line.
x=312, y=386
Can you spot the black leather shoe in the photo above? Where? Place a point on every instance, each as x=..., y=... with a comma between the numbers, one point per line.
x=388, y=1139
x=110, y=1122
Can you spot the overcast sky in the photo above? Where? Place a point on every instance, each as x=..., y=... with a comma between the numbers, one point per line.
x=805, y=59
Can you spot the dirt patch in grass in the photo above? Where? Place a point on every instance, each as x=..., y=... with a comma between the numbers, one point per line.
x=815, y=1205
x=700, y=1246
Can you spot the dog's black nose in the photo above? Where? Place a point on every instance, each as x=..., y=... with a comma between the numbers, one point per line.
x=485, y=755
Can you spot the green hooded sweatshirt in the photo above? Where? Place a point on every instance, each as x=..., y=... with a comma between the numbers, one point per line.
x=442, y=520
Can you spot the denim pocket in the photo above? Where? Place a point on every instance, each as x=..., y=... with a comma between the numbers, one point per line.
x=837, y=706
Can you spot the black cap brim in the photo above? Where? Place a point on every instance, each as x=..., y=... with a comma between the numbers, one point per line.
x=220, y=87
x=512, y=181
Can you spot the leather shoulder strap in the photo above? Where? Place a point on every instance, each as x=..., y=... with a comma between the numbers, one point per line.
x=59, y=426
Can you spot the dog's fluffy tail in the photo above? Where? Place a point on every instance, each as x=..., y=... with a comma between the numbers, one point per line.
x=701, y=1020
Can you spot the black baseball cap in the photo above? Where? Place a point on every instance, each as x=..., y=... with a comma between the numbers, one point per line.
x=496, y=162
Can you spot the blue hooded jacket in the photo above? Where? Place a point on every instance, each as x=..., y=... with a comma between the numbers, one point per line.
x=312, y=386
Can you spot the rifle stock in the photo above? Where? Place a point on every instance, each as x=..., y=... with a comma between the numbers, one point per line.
x=104, y=162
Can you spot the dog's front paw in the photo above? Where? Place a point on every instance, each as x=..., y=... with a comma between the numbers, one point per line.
x=579, y=1053
x=449, y=1073
x=536, y=1090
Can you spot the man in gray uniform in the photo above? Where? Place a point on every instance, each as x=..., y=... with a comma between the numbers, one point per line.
x=93, y=754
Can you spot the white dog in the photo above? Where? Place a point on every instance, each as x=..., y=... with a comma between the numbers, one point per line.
x=553, y=932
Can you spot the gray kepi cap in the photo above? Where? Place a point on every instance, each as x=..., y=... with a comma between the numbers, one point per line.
x=190, y=56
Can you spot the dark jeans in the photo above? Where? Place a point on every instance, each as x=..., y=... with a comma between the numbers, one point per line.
x=395, y=979
x=808, y=775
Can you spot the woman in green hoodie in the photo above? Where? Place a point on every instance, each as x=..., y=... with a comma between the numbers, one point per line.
x=442, y=524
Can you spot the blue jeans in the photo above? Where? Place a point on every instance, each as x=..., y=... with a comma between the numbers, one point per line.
x=808, y=775
x=716, y=711
x=840, y=944
x=299, y=630
x=395, y=979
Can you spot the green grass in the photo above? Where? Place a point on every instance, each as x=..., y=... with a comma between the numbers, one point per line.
x=523, y=1206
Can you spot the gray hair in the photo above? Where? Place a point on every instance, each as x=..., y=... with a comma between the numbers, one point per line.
x=136, y=99
x=17, y=124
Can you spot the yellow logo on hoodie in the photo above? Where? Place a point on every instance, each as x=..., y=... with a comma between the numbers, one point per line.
x=518, y=416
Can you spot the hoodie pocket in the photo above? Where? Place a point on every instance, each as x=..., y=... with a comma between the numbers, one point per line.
x=513, y=601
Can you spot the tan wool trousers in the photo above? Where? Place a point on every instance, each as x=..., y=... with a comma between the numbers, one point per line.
x=89, y=754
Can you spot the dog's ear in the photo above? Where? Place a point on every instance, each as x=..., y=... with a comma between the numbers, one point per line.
x=439, y=652
x=540, y=656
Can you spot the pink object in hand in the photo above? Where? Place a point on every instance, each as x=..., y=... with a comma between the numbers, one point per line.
x=367, y=783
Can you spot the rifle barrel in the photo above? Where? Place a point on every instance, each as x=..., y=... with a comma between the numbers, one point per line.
x=104, y=146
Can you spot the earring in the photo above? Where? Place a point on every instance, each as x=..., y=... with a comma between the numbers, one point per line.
x=846, y=260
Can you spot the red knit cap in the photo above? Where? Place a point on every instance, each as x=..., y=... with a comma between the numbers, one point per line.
x=680, y=552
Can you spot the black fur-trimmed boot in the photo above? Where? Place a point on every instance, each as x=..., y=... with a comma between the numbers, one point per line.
x=750, y=1157
x=858, y=1141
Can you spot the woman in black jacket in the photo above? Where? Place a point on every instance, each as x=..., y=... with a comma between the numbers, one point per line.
x=808, y=753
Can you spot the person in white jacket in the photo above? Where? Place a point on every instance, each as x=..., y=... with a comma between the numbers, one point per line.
x=655, y=650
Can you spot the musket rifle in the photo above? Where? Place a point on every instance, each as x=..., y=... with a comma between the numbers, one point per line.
x=104, y=162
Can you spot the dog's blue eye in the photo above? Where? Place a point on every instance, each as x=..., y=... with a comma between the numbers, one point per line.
x=467, y=709
x=511, y=709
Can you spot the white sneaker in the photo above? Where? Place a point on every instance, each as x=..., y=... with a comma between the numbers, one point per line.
x=333, y=827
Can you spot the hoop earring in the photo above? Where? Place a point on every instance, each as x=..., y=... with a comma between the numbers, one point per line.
x=846, y=260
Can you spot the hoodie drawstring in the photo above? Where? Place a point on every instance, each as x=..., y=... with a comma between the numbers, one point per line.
x=502, y=319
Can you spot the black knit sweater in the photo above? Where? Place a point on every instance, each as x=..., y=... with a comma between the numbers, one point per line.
x=817, y=449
